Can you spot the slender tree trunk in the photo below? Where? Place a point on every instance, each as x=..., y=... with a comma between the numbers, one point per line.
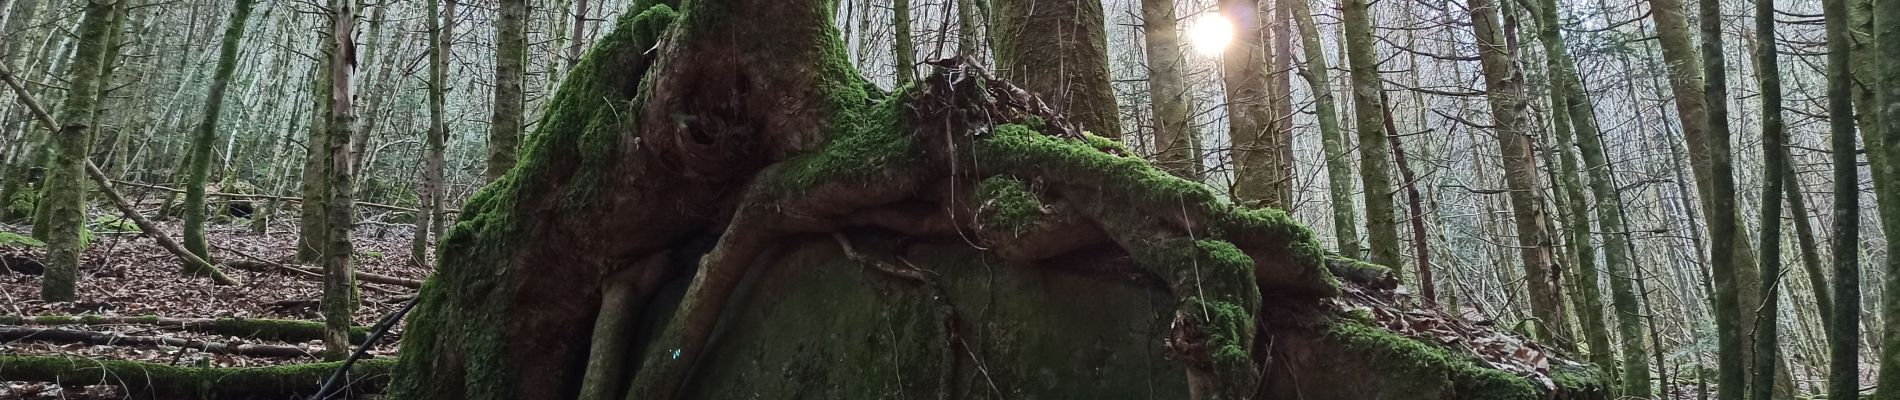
x=310, y=223
x=1177, y=142
x=903, y=47
x=1058, y=49
x=62, y=203
x=1723, y=236
x=511, y=52
x=969, y=25
x=1421, y=249
x=1773, y=135
x=1382, y=232
x=1805, y=240
x=577, y=41
x=1332, y=140
x=1509, y=111
x=441, y=28
x=339, y=282
x=1886, y=107
x=207, y=133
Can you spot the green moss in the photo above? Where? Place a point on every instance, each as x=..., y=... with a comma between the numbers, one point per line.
x=21, y=206
x=865, y=141
x=113, y=223
x=1010, y=206
x=1466, y=378
x=13, y=239
x=168, y=381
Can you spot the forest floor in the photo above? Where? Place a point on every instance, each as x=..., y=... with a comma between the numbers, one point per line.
x=126, y=274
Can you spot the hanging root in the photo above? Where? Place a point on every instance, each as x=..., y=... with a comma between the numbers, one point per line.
x=963, y=154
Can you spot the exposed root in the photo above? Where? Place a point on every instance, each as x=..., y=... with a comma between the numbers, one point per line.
x=1039, y=192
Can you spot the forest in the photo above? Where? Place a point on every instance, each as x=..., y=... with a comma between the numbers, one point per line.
x=950, y=199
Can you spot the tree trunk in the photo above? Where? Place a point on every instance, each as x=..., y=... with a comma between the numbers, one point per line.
x=1421, y=249
x=310, y=221
x=1247, y=75
x=441, y=28
x=62, y=203
x=1382, y=231
x=1177, y=142
x=1332, y=140
x=1886, y=107
x=1773, y=135
x=1581, y=114
x=339, y=283
x=969, y=25
x=1723, y=236
x=206, y=133
x=1058, y=49
x=511, y=58
x=903, y=47
x=1509, y=112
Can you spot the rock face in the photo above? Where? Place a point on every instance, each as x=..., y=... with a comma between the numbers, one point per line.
x=815, y=324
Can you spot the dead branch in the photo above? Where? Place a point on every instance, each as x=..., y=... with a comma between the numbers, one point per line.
x=57, y=335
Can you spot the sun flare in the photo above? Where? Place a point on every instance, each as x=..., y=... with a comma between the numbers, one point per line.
x=1210, y=34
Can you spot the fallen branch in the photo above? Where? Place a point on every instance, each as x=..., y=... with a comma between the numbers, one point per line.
x=172, y=382
x=56, y=335
x=249, y=328
x=266, y=196
x=193, y=263
x=266, y=266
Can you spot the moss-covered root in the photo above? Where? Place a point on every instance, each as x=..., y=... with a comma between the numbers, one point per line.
x=174, y=382
x=620, y=304
x=754, y=225
x=1216, y=298
x=248, y=328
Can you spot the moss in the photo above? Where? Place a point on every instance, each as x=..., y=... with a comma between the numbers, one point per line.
x=21, y=206
x=114, y=224
x=1011, y=206
x=866, y=141
x=250, y=328
x=12, y=239
x=1466, y=378
x=168, y=381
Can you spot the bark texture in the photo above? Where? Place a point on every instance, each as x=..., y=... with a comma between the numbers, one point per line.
x=1058, y=49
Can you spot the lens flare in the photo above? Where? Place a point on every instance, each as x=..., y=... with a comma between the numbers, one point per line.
x=1210, y=34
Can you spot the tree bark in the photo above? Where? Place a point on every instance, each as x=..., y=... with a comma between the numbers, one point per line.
x=1886, y=107
x=61, y=217
x=903, y=46
x=1247, y=76
x=1058, y=49
x=206, y=133
x=1382, y=232
x=511, y=58
x=339, y=283
x=1177, y=142
x=1332, y=140
x=1509, y=109
x=1773, y=135
x=1723, y=232
x=441, y=28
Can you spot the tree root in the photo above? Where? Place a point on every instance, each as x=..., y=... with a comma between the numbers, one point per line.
x=174, y=382
x=55, y=335
x=1037, y=195
x=248, y=328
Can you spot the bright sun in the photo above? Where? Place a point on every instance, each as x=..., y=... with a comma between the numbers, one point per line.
x=1210, y=34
